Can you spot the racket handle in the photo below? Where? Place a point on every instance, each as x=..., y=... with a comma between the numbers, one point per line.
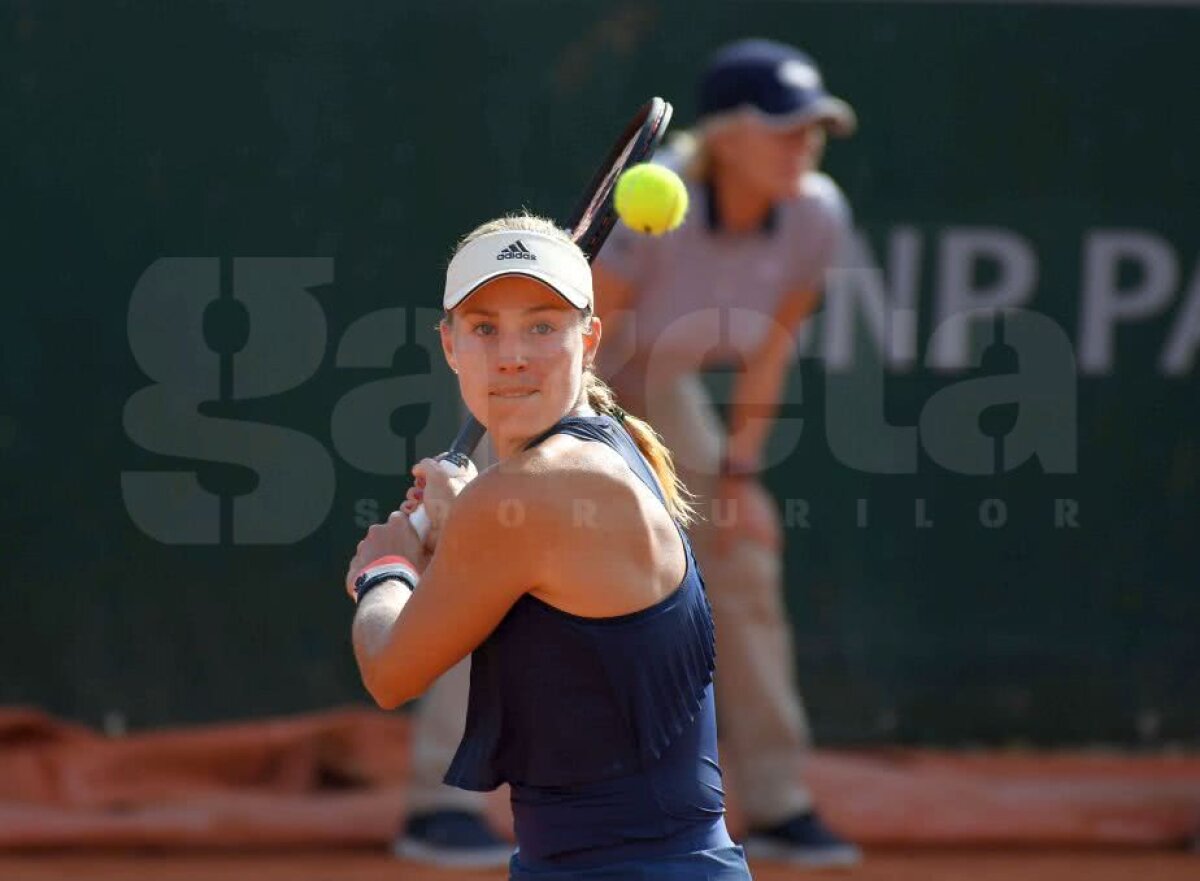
x=451, y=463
x=420, y=522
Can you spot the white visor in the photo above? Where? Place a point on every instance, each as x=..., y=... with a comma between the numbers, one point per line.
x=559, y=265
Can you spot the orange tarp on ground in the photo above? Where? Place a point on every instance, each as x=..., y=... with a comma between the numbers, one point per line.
x=337, y=778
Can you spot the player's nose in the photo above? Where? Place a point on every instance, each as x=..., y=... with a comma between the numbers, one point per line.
x=511, y=353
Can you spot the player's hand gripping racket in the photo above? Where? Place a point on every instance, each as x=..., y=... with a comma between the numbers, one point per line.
x=589, y=225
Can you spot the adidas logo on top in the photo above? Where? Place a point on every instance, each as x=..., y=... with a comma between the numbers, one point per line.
x=516, y=251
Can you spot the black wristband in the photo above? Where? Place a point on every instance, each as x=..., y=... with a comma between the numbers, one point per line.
x=385, y=569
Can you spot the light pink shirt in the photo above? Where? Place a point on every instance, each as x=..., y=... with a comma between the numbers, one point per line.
x=703, y=296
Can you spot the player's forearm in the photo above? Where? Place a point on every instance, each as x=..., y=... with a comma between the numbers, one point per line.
x=756, y=395
x=759, y=387
x=374, y=626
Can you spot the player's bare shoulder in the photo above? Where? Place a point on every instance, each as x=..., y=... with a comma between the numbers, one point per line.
x=562, y=479
x=594, y=528
x=538, y=491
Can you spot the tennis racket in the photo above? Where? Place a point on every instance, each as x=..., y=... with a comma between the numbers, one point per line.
x=589, y=225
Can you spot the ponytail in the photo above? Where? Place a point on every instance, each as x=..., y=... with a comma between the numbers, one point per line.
x=679, y=500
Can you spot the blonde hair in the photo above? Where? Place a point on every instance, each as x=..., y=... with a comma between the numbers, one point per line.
x=696, y=155
x=600, y=397
x=522, y=222
x=679, y=500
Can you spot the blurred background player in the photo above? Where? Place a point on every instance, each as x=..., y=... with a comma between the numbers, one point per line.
x=445, y=826
x=729, y=290
x=763, y=227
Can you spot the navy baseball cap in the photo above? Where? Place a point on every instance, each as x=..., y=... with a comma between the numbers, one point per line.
x=776, y=83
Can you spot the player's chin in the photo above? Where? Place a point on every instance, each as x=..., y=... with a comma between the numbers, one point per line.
x=515, y=410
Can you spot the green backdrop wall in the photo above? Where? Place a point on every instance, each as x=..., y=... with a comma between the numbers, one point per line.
x=220, y=218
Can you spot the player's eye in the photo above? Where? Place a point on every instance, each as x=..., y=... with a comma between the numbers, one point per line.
x=543, y=327
x=484, y=328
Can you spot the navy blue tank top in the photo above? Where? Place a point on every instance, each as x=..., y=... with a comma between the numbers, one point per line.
x=603, y=727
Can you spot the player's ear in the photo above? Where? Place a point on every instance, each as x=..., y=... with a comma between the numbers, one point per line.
x=592, y=328
x=447, y=337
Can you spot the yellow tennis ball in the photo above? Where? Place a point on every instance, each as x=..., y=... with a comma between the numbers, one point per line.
x=651, y=199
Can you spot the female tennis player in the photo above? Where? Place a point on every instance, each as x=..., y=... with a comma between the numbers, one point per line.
x=565, y=570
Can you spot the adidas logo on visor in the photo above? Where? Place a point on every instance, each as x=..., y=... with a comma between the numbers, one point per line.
x=516, y=251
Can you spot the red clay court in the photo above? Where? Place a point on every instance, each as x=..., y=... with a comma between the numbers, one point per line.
x=887, y=865
x=319, y=796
